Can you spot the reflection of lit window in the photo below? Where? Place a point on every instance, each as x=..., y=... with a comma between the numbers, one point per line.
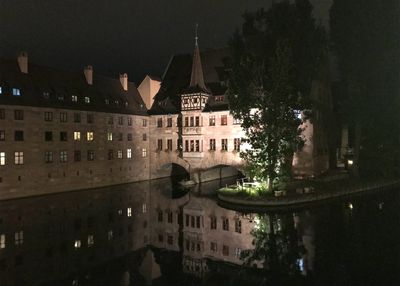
x=87, y=99
x=77, y=244
x=16, y=92
x=74, y=98
x=19, y=237
x=119, y=212
x=144, y=208
x=119, y=154
x=2, y=241
x=90, y=240
x=110, y=235
x=129, y=212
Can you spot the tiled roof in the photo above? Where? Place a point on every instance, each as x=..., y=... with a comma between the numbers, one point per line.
x=49, y=87
x=177, y=80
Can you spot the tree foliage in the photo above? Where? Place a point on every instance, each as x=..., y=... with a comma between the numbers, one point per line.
x=274, y=59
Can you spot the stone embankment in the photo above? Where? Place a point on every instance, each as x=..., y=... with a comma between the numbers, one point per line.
x=298, y=200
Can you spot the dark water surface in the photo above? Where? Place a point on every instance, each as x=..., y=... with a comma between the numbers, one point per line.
x=152, y=233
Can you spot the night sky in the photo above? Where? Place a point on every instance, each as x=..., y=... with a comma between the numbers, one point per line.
x=115, y=36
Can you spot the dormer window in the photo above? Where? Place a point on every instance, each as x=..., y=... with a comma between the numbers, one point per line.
x=116, y=102
x=87, y=99
x=16, y=92
x=60, y=97
x=74, y=98
x=219, y=98
x=46, y=95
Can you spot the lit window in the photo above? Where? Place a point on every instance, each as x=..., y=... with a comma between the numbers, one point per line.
x=16, y=92
x=19, y=158
x=90, y=240
x=74, y=98
x=129, y=212
x=109, y=136
x=128, y=153
x=144, y=208
x=119, y=154
x=144, y=152
x=107, y=101
x=1, y=90
x=63, y=156
x=87, y=99
x=90, y=136
x=2, y=158
x=19, y=237
x=77, y=136
x=237, y=121
x=2, y=241
x=46, y=95
x=77, y=244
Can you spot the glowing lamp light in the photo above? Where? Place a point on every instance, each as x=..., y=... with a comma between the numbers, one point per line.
x=350, y=206
x=350, y=162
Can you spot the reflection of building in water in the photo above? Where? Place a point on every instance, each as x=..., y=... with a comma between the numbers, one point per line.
x=62, y=236
x=211, y=232
x=304, y=224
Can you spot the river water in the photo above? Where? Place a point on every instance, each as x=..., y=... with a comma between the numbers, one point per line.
x=154, y=233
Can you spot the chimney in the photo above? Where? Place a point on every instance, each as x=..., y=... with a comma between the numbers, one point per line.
x=23, y=62
x=88, y=71
x=123, y=78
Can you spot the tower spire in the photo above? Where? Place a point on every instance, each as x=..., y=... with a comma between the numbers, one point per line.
x=197, y=78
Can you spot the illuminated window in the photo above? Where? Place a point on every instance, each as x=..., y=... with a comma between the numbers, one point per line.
x=2, y=241
x=237, y=121
x=16, y=92
x=109, y=136
x=77, y=136
x=77, y=244
x=19, y=158
x=48, y=156
x=297, y=114
x=119, y=154
x=74, y=98
x=90, y=136
x=87, y=99
x=48, y=116
x=46, y=95
x=224, y=119
x=19, y=237
x=129, y=212
x=63, y=156
x=144, y=152
x=2, y=158
x=128, y=153
x=90, y=240
x=1, y=90
x=144, y=208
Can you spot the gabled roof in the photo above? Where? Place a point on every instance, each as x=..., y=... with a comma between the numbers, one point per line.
x=61, y=85
x=178, y=77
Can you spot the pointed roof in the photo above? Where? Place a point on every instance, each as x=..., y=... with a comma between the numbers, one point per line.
x=197, y=77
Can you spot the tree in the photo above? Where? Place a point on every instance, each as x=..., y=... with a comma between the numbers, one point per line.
x=365, y=37
x=274, y=60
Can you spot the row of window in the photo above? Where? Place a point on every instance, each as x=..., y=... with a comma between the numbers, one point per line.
x=63, y=156
x=197, y=222
x=77, y=117
x=197, y=246
x=195, y=121
x=18, y=239
x=194, y=145
x=14, y=91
